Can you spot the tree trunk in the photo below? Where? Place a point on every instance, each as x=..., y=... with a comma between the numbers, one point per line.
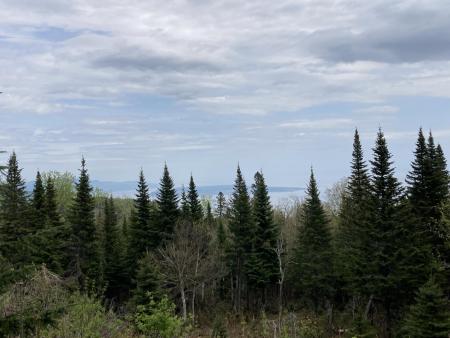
x=183, y=302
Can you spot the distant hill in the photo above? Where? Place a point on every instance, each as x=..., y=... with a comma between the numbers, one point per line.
x=128, y=189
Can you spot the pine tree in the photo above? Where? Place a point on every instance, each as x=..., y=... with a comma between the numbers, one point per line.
x=430, y=315
x=185, y=210
x=396, y=264
x=37, y=210
x=352, y=256
x=209, y=218
x=85, y=244
x=313, y=271
x=142, y=235
x=167, y=201
x=115, y=274
x=221, y=205
x=195, y=207
x=264, y=262
x=147, y=280
x=13, y=215
x=241, y=228
x=56, y=233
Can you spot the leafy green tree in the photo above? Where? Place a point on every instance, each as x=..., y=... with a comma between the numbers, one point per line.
x=313, y=271
x=85, y=243
x=242, y=229
x=167, y=202
x=14, y=224
x=263, y=265
x=142, y=236
x=430, y=315
x=195, y=206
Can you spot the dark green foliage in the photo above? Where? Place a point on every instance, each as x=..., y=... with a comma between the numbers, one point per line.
x=84, y=243
x=147, y=280
x=221, y=205
x=14, y=224
x=167, y=201
x=263, y=266
x=313, y=270
x=115, y=268
x=195, y=207
x=352, y=256
x=185, y=210
x=37, y=207
x=142, y=236
x=56, y=234
x=242, y=229
x=430, y=315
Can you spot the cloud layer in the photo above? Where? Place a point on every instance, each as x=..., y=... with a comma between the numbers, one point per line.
x=169, y=71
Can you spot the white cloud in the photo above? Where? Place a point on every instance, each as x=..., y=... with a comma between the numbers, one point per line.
x=318, y=124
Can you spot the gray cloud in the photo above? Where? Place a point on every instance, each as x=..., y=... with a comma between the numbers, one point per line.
x=133, y=60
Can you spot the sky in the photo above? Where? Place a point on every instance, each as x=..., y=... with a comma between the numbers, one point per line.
x=277, y=86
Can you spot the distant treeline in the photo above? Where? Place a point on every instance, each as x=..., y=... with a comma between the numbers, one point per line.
x=373, y=262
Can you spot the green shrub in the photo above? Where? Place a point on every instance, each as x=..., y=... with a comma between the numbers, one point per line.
x=158, y=319
x=86, y=317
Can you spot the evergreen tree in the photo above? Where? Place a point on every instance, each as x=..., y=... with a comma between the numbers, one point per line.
x=38, y=216
x=185, y=210
x=430, y=315
x=142, y=236
x=264, y=262
x=209, y=218
x=397, y=262
x=13, y=215
x=221, y=205
x=85, y=244
x=241, y=228
x=167, y=201
x=146, y=280
x=313, y=271
x=352, y=254
x=115, y=275
x=195, y=207
x=56, y=233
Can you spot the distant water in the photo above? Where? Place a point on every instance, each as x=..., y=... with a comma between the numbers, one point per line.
x=128, y=189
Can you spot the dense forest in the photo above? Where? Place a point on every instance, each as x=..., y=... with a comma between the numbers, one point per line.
x=372, y=260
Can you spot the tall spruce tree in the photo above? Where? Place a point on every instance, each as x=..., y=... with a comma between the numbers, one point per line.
x=184, y=208
x=264, y=263
x=142, y=236
x=352, y=256
x=195, y=206
x=396, y=265
x=56, y=233
x=241, y=226
x=313, y=271
x=430, y=315
x=85, y=244
x=14, y=225
x=167, y=202
x=37, y=210
x=221, y=205
x=115, y=274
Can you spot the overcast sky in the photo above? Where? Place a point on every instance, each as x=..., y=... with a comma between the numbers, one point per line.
x=275, y=85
